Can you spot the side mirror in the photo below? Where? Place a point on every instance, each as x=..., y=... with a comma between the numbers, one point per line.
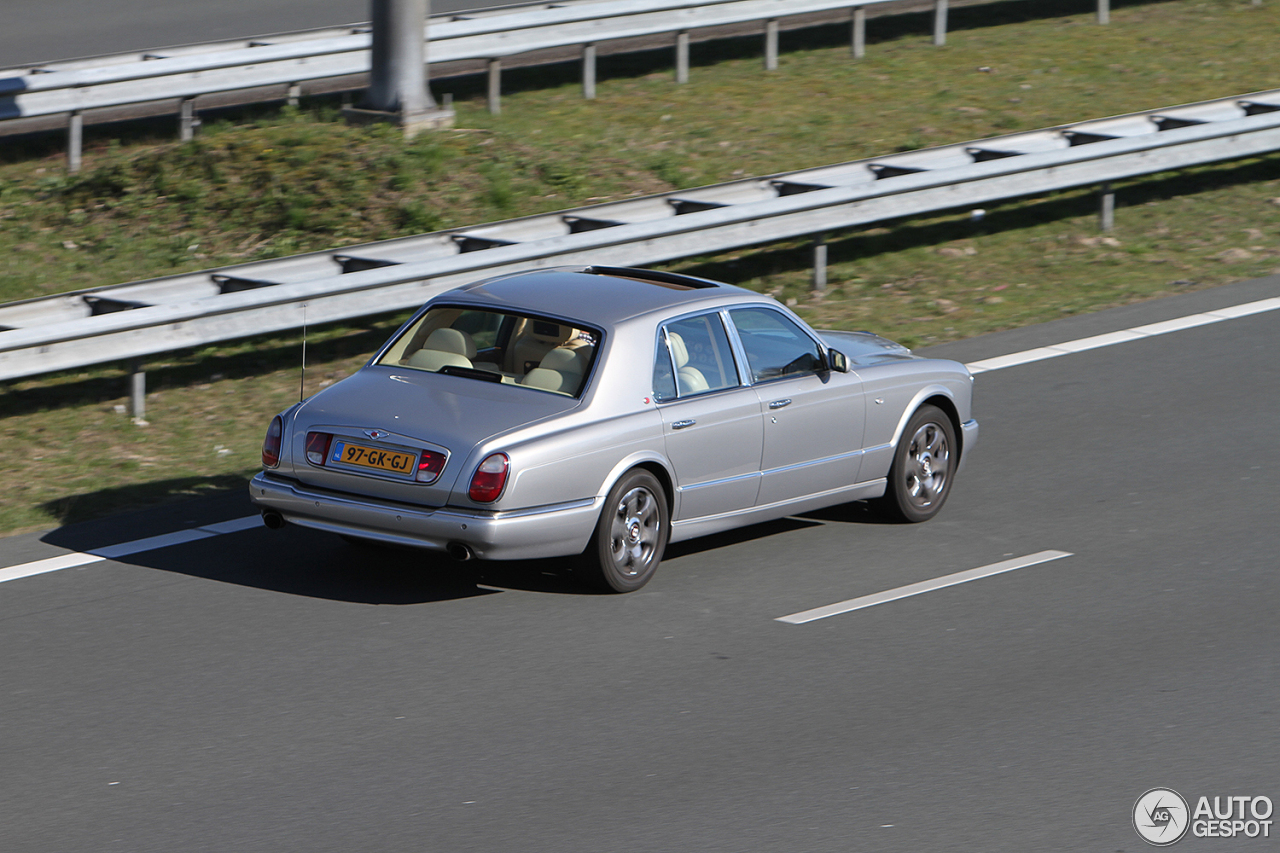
x=837, y=361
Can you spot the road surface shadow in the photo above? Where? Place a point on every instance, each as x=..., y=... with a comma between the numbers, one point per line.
x=314, y=564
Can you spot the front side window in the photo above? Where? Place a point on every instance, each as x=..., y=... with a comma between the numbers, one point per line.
x=693, y=357
x=495, y=346
x=774, y=344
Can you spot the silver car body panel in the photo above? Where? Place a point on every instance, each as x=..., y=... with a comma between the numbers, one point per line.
x=727, y=458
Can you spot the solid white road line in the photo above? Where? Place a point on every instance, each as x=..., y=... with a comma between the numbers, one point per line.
x=922, y=587
x=53, y=564
x=124, y=549
x=1136, y=333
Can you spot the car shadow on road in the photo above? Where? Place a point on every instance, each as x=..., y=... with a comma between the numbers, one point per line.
x=856, y=512
x=312, y=564
x=320, y=565
x=295, y=561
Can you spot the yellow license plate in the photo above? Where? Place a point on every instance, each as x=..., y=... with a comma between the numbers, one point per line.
x=381, y=459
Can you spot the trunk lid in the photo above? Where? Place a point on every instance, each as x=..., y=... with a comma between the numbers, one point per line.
x=407, y=411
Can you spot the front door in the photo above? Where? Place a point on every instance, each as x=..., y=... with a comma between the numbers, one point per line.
x=813, y=417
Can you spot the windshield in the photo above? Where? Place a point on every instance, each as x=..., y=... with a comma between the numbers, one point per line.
x=516, y=349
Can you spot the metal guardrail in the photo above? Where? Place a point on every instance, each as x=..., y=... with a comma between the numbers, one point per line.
x=145, y=318
x=180, y=75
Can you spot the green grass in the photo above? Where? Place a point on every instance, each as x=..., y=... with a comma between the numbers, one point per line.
x=269, y=182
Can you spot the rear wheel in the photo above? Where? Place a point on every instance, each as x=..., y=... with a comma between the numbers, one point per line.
x=630, y=536
x=923, y=465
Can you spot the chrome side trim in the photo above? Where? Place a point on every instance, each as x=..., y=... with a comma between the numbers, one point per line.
x=721, y=482
x=837, y=458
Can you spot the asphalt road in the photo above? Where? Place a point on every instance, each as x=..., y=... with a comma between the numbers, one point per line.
x=45, y=30
x=286, y=691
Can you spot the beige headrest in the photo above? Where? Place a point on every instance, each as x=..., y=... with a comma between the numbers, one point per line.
x=679, y=351
x=451, y=340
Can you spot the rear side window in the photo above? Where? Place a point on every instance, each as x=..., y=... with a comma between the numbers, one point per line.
x=693, y=357
x=774, y=344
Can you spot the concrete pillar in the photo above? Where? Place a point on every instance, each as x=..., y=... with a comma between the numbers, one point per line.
x=398, y=88
x=859, y=32
x=771, y=45
x=75, y=140
x=682, y=57
x=939, y=22
x=1104, y=11
x=495, y=86
x=1107, y=209
x=589, y=71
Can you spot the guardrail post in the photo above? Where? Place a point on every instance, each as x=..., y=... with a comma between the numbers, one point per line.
x=188, y=120
x=75, y=139
x=295, y=94
x=137, y=390
x=495, y=86
x=1107, y=211
x=820, y=263
x=682, y=56
x=1104, y=11
x=939, y=23
x=859, y=32
x=589, y=71
x=771, y=45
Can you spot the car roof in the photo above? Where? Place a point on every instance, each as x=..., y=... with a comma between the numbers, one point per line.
x=603, y=296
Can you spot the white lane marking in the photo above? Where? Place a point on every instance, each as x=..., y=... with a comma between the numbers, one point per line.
x=52, y=564
x=1136, y=333
x=922, y=587
x=124, y=549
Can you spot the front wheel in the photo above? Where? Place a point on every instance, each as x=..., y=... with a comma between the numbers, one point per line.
x=923, y=465
x=630, y=536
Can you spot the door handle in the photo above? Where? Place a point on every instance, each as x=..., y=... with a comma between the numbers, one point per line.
x=779, y=404
x=682, y=424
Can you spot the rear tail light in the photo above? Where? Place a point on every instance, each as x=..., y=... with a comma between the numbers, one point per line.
x=318, y=447
x=430, y=464
x=490, y=479
x=271, y=444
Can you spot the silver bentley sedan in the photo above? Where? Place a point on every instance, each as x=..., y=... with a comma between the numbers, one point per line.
x=604, y=412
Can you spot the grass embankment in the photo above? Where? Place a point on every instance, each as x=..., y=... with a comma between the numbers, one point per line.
x=269, y=183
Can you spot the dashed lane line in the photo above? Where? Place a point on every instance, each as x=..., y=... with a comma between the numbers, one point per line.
x=922, y=587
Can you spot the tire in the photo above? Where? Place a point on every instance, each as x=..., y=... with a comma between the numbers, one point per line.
x=630, y=536
x=923, y=467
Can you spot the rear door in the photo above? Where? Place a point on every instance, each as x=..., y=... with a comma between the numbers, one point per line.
x=711, y=419
x=812, y=417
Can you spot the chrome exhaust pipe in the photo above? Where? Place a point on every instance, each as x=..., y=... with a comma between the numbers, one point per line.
x=272, y=519
x=458, y=551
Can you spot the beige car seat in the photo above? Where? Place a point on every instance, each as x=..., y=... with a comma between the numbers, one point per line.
x=561, y=370
x=444, y=347
x=689, y=380
x=533, y=341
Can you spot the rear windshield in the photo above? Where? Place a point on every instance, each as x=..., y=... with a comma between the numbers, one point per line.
x=515, y=349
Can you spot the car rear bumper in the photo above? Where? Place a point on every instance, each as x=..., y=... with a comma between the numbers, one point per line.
x=550, y=531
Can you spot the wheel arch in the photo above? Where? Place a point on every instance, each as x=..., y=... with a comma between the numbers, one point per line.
x=933, y=395
x=655, y=465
